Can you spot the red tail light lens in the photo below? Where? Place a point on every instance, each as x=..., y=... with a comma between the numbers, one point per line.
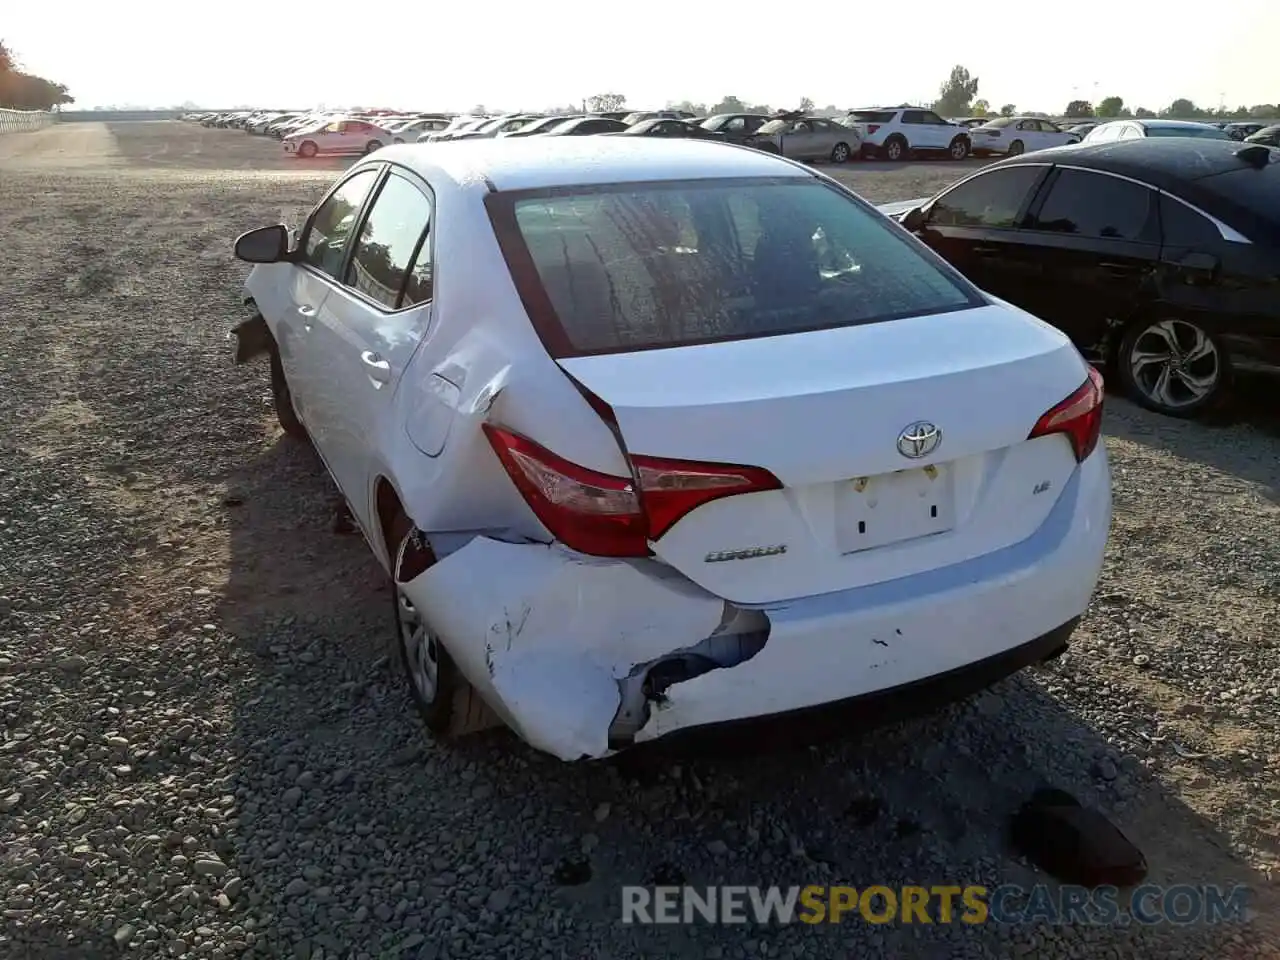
x=671, y=488
x=605, y=516
x=1079, y=417
x=872, y=128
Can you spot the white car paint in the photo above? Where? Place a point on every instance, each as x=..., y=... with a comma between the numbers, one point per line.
x=338, y=136
x=558, y=641
x=1001, y=134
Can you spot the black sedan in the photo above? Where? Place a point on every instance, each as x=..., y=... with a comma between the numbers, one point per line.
x=670, y=129
x=583, y=127
x=1267, y=136
x=1160, y=256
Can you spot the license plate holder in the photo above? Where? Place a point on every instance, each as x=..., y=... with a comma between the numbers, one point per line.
x=894, y=507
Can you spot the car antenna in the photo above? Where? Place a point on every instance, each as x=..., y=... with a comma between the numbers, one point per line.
x=1255, y=155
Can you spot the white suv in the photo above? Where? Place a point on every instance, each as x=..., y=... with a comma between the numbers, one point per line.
x=894, y=133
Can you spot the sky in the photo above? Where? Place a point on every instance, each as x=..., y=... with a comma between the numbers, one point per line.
x=415, y=54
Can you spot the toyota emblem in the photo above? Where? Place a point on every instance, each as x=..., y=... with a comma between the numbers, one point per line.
x=919, y=439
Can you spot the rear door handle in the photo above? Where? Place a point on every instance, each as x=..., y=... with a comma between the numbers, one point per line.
x=379, y=370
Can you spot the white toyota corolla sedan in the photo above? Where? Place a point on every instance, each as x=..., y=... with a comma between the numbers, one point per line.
x=652, y=435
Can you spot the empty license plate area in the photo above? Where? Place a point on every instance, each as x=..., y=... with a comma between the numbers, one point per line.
x=891, y=507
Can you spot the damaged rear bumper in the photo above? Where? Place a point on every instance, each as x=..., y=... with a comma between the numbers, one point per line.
x=583, y=656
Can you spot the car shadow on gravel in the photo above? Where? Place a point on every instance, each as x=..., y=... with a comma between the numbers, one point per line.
x=352, y=833
x=1241, y=438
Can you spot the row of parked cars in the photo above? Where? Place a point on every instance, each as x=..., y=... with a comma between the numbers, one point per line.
x=890, y=133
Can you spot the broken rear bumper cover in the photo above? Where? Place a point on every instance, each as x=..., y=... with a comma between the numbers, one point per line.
x=583, y=656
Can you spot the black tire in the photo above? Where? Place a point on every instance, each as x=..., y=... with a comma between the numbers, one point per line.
x=841, y=153
x=895, y=148
x=1016, y=149
x=1211, y=372
x=959, y=148
x=372, y=145
x=454, y=707
x=307, y=149
x=282, y=400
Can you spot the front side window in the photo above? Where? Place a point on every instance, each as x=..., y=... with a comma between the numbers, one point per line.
x=330, y=227
x=988, y=200
x=1095, y=205
x=666, y=265
x=388, y=243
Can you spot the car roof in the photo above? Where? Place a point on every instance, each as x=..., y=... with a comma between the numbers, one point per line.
x=1154, y=160
x=1170, y=124
x=541, y=162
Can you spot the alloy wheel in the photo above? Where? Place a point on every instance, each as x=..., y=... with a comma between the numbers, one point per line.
x=1174, y=364
x=422, y=649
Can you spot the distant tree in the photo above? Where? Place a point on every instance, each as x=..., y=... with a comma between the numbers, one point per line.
x=1008, y=110
x=606, y=102
x=25, y=91
x=688, y=106
x=1263, y=111
x=1142, y=113
x=761, y=108
x=980, y=108
x=806, y=105
x=1077, y=109
x=1183, y=108
x=956, y=93
x=728, y=105
x=479, y=110
x=1110, y=107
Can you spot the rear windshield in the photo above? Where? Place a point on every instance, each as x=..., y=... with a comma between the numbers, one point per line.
x=873, y=116
x=663, y=265
x=1000, y=122
x=1257, y=191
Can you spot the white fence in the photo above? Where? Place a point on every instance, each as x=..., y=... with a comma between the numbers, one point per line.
x=18, y=121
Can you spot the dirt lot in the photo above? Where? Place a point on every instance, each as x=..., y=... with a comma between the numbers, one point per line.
x=206, y=752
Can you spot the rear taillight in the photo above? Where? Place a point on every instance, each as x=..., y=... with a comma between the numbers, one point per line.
x=607, y=516
x=1079, y=417
x=872, y=128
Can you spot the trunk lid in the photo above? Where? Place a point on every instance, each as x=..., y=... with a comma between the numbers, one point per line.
x=824, y=412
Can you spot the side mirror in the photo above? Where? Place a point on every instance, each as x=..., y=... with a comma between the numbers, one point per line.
x=914, y=219
x=264, y=245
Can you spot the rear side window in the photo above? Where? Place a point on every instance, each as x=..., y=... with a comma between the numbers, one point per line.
x=1250, y=189
x=873, y=116
x=988, y=200
x=388, y=245
x=666, y=265
x=1094, y=205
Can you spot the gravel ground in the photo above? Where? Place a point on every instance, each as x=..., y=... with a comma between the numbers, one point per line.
x=206, y=752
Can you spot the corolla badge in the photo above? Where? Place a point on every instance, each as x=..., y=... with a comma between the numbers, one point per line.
x=919, y=439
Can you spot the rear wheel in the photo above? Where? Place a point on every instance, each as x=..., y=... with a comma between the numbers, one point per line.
x=307, y=149
x=959, y=149
x=1016, y=148
x=895, y=148
x=1173, y=367
x=840, y=153
x=447, y=703
x=373, y=145
x=282, y=400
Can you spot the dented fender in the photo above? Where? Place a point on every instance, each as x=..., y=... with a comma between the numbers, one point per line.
x=546, y=635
